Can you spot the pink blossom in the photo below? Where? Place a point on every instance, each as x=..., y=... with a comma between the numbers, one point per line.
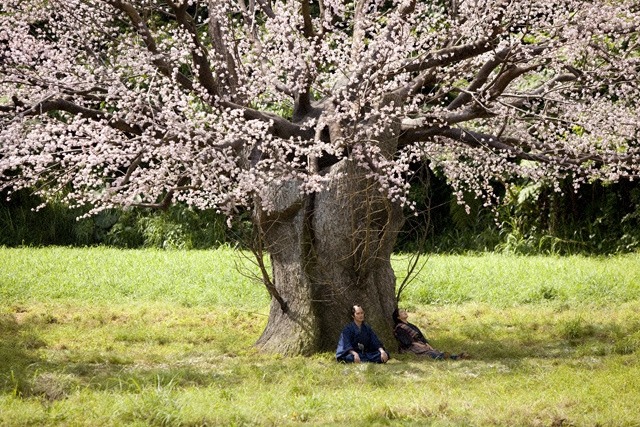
x=217, y=102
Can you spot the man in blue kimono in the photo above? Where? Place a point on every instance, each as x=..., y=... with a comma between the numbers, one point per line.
x=358, y=343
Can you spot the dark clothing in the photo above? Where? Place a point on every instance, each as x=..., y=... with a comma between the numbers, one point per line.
x=407, y=333
x=411, y=340
x=362, y=340
x=372, y=357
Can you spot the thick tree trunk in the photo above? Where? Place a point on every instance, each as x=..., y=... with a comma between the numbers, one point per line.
x=329, y=251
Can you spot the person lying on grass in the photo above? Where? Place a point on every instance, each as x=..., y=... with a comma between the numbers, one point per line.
x=411, y=340
x=359, y=343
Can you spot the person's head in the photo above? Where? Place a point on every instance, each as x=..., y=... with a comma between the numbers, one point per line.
x=399, y=315
x=357, y=313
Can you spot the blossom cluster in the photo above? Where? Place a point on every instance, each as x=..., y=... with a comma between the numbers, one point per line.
x=213, y=103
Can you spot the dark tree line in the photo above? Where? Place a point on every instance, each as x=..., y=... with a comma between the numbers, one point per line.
x=597, y=219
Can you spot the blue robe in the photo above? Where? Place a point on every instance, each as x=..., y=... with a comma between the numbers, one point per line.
x=362, y=340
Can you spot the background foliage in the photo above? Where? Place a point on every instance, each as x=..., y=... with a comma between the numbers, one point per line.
x=532, y=218
x=178, y=227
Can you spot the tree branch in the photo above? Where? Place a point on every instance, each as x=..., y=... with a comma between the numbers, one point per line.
x=266, y=8
x=48, y=105
x=359, y=29
x=199, y=53
x=280, y=127
x=221, y=49
x=480, y=79
x=474, y=139
x=168, y=198
x=308, y=30
x=414, y=86
x=257, y=249
x=541, y=90
x=141, y=27
x=450, y=55
x=504, y=144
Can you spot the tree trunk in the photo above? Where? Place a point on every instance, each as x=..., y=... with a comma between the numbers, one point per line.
x=329, y=251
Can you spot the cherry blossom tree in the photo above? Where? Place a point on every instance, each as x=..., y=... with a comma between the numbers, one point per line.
x=310, y=113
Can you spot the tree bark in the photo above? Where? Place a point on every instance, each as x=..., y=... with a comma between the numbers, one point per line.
x=329, y=251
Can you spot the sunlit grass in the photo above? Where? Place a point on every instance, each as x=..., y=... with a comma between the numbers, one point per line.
x=504, y=280
x=102, y=275
x=110, y=337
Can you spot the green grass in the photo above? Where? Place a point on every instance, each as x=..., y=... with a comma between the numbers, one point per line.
x=503, y=280
x=164, y=338
x=100, y=275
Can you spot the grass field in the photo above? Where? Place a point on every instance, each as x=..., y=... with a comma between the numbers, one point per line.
x=112, y=337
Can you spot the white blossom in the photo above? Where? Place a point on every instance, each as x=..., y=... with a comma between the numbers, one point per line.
x=126, y=102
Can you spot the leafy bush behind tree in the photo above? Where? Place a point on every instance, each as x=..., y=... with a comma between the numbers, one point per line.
x=178, y=227
x=532, y=219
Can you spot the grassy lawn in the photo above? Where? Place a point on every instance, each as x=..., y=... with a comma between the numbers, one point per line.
x=113, y=337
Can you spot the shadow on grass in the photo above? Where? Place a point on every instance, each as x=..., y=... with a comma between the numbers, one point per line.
x=18, y=345
x=32, y=367
x=26, y=371
x=574, y=338
x=563, y=336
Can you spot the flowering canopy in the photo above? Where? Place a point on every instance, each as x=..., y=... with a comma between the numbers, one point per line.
x=142, y=102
